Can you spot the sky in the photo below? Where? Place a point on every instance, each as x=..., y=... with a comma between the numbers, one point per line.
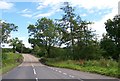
x=25, y=12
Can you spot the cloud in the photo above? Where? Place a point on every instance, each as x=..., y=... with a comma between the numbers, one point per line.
x=41, y=6
x=26, y=11
x=6, y=5
x=92, y=7
x=99, y=26
x=27, y=15
x=97, y=4
x=83, y=15
x=44, y=15
x=50, y=12
x=87, y=4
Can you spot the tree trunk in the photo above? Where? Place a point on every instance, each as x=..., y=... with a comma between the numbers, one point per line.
x=14, y=49
x=48, y=51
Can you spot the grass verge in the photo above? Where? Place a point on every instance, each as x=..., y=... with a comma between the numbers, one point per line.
x=104, y=67
x=10, y=61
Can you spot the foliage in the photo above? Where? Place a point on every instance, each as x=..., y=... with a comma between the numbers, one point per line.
x=7, y=28
x=10, y=60
x=19, y=46
x=15, y=42
x=108, y=45
x=111, y=43
x=80, y=43
x=4, y=50
x=44, y=34
x=102, y=66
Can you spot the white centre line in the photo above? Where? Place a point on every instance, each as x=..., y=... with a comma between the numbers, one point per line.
x=36, y=79
x=32, y=66
x=34, y=71
x=65, y=73
x=60, y=72
x=71, y=76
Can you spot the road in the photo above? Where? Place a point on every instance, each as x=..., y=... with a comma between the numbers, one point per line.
x=32, y=69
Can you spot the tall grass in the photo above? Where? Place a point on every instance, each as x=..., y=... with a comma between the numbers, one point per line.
x=103, y=66
x=10, y=60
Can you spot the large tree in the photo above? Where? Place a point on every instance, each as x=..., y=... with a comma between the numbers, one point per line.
x=44, y=32
x=67, y=24
x=7, y=28
x=75, y=31
x=113, y=30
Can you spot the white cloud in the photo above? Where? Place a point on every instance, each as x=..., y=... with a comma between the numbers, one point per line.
x=99, y=26
x=92, y=6
x=26, y=11
x=91, y=11
x=98, y=4
x=41, y=6
x=54, y=6
x=44, y=14
x=87, y=4
x=83, y=15
x=6, y=5
x=27, y=15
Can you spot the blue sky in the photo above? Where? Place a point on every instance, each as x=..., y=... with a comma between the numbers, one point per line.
x=23, y=13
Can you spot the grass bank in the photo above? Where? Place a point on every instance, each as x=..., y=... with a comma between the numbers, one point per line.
x=9, y=61
x=102, y=66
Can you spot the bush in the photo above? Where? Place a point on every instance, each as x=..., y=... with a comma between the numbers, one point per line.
x=4, y=50
x=11, y=58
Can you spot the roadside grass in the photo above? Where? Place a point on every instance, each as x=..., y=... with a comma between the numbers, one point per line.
x=102, y=66
x=9, y=61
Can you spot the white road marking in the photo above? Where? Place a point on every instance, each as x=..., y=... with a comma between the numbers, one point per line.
x=56, y=70
x=71, y=76
x=32, y=66
x=52, y=68
x=36, y=79
x=60, y=72
x=34, y=71
x=65, y=73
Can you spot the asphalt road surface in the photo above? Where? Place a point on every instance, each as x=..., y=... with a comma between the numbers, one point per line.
x=32, y=69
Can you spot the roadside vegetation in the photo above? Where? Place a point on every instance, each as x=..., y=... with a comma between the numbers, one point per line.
x=9, y=61
x=70, y=42
x=102, y=66
x=9, y=58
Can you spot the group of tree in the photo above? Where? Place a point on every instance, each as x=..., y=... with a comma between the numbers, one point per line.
x=48, y=36
x=18, y=46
